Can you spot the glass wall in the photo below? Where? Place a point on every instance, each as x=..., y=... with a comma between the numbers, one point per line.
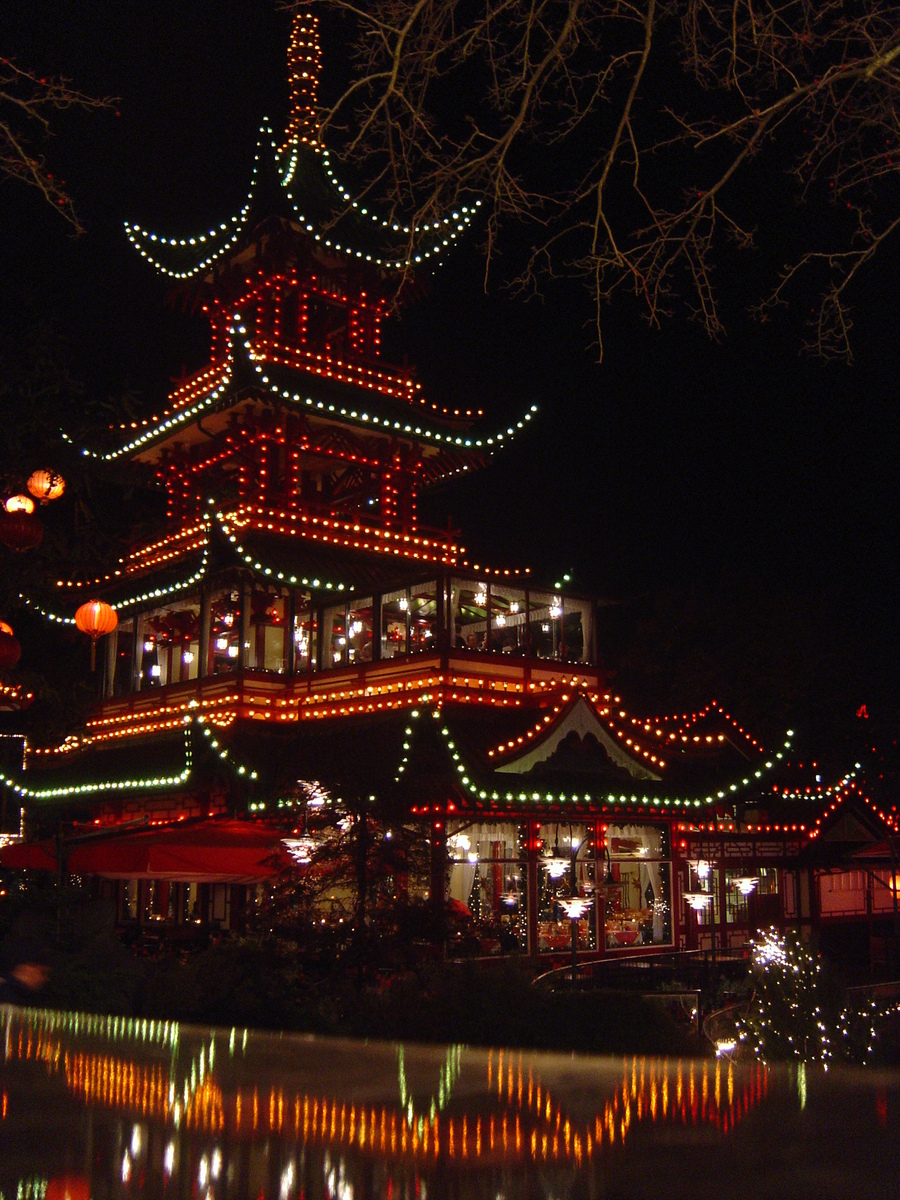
x=626, y=887
x=637, y=886
x=260, y=627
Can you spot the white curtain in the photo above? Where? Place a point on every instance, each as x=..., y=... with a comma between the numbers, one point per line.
x=650, y=841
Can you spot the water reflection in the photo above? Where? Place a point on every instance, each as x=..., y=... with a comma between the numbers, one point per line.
x=95, y=1106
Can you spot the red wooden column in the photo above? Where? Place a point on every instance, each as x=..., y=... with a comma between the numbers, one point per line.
x=599, y=840
x=438, y=879
x=531, y=883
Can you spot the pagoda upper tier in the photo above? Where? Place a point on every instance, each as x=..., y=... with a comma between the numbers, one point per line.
x=296, y=408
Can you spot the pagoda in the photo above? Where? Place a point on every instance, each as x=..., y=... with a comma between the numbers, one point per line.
x=293, y=636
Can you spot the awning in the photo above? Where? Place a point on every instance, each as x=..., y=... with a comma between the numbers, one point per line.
x=208, y=852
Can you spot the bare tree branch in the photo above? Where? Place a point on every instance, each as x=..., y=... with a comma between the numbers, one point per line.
x=633, y=138
x=27, y=104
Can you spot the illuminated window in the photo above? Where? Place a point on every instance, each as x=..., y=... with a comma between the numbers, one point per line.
x=269, y=633
x=487, y=894
x=637, y=886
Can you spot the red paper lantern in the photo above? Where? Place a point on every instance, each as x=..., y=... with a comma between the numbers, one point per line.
x=46, y=484
x=96, y=618
x=10, y=650
x=20, y=530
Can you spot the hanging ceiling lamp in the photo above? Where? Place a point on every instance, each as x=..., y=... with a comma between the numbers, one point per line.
x=556, y=866
x=46, y=484
x=96, y=618
x=745, y=883
x=575, y=906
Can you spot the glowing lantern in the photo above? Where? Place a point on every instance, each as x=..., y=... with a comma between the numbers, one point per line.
x=96, y=618
x=20, y=530
x=19, y=504
x=10, y=650
x=68, y=1187
x=46, y=485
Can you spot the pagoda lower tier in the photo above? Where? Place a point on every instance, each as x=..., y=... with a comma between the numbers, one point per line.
x=491, y=800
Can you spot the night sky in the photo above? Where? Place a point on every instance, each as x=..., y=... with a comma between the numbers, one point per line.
x=674, y=463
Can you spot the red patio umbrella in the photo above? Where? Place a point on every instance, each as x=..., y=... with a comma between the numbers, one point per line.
x=29, y=856
x=208, y=852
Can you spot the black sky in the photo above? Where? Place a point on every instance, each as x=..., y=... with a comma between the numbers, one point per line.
x=675, y=461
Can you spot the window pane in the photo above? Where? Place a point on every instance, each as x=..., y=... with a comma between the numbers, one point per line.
x=224, y=631
x=637, y=886
x=468, y=614
x=487, y=891
x=545, y=624
x=304, y=636
x=268, y=622
x=394, y=623
x=423, y=630
x=576, y=630
x=508, y=620
x=334, y=638
x=566, y=868
x=171, y=645
x=123, y=640
x=359, y=631
x=751, y=897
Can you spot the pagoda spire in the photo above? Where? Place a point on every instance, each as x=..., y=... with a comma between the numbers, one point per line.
x=304, y=64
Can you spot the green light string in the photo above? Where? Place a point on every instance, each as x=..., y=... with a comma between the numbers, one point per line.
x=611, y=798
x=86, y=789
x=447, y=1077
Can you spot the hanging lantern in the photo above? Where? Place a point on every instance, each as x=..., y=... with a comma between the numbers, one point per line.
x=46, y=484
x=96, y=618
x=10, y=650
x=68, y=1187
x=19, y=503
x=20, y=530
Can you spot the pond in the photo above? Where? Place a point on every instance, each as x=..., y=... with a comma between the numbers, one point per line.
x=102, y=1107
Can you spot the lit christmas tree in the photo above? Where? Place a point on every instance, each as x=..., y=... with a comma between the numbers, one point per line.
x=788, y=1014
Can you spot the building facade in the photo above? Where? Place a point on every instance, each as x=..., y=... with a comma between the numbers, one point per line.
x=293, y=637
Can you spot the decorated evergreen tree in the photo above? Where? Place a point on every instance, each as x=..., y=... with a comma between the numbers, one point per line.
x=789, y=1013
